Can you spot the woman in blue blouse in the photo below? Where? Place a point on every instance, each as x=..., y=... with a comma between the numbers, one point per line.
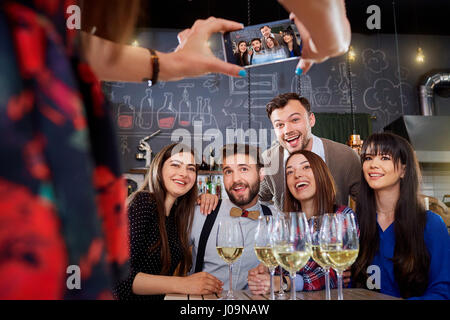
x=409, y=245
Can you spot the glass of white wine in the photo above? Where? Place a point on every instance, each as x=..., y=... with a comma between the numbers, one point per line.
x=229, y=245
x=291, y=244
x=319, y=257
x=263, y=250
x=339, y=241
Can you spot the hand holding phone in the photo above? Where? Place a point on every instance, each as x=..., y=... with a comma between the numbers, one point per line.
x=263, y=44
x=193, y=50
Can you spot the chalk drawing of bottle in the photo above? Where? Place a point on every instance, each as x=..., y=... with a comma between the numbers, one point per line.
x=234, y=122
x=145, y=115
x=198, y=116
x=125, y=114
x=210, y=120
x=185, y=109
x=167, y=115
x=344, y=84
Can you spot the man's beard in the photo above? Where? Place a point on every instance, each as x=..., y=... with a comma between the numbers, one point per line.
x=253, y=192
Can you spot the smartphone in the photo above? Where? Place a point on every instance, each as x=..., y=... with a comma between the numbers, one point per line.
x=263, y=44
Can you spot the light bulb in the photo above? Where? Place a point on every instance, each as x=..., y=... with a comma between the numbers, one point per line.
x=351, y=54
x=420, y=58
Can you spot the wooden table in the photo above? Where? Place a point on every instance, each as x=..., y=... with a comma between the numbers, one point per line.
x=349, y=294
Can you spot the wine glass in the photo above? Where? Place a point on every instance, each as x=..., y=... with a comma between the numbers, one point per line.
x=291, y=244
x=263, y=250
x=229, y=245
x=280, y=295
x=319, y=257
x=338, y=240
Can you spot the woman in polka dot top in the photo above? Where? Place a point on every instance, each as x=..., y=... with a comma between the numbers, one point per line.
x=160, y=219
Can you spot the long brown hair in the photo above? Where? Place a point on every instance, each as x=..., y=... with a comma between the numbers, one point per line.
x=183, y=209
x=411, y=259
x=113, y=20
x=325, y=197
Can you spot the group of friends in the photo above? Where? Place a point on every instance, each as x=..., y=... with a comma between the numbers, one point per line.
x=301, y=172
x=63, y=197
x=270, y=47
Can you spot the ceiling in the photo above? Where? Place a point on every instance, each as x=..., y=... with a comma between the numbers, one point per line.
x=412, y=16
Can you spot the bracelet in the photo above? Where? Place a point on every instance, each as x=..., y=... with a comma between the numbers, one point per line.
x=155, y=68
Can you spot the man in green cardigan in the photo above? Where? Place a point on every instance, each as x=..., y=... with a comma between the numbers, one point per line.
x=292, y=121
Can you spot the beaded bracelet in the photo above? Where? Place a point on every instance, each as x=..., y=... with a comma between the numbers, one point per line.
x=155, y=68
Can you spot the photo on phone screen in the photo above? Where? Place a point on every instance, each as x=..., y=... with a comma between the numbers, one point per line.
x=262, y=44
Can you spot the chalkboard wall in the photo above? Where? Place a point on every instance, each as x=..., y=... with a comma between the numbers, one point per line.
x=384, y=85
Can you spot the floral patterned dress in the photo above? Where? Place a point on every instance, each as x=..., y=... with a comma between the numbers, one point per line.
x=62, y=197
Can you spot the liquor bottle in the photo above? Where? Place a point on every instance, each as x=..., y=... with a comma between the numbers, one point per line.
x=185, y=111
x=167, y=114
x=219, y=188
x=204, y=165
x=208, y=185
x=125, y=114
x=211, y=159
x=200, y=182
x=145, y=115
x=213, y=185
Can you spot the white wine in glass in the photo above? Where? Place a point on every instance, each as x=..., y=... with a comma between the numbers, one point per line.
x=339, y=242
x=229, y=245
x=263, y=250
x=230, y=254
x=318, y=255
x=291, y=244
x=265, y=255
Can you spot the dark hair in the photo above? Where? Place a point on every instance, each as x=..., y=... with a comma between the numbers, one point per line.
x=255, y=39
x=295, y=46
x=264, y=27
x=325, y=197
x=282, y=100
x=104, y=15
x=241, y=42
x=241, y=59
x=183, y=209
x=275, y=42
x=411, y=259
x=237, y=148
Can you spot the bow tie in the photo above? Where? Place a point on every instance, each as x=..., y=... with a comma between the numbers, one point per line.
x=236, y=212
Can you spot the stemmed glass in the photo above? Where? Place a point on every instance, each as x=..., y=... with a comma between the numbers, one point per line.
x=263, y=250
x=229, y=245
x=291, y=244
x=338, y=239
x=319, y=257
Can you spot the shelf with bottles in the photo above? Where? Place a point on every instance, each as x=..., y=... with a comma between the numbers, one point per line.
x=209, y=173
x=211, y=184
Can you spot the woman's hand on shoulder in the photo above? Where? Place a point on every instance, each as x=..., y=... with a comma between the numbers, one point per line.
x=201, y=283
x=207, y=202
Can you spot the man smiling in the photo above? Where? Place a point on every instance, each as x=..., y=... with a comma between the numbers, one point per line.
x=242, y=174
x=292, y=121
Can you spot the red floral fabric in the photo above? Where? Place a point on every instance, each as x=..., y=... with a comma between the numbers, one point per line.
x=62, y=197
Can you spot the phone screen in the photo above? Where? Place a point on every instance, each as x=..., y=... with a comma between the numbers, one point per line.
x=263, y=44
